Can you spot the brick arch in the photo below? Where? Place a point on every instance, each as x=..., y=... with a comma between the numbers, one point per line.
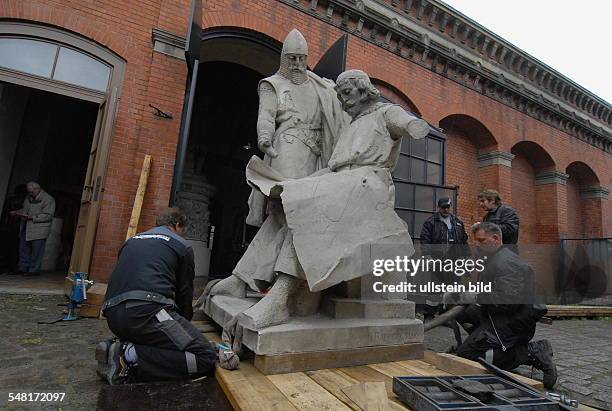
x=584, y=212
x=63, y=18
x=537, y=156
x=465, y=138
x=393, y=94
x=585, y=175
x=478, y=133
x=254, y=23
x=537, y=203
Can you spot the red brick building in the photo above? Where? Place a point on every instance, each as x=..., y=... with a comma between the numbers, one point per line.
x=508, y=121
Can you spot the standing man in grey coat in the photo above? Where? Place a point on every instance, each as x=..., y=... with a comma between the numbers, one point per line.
x=36, y=218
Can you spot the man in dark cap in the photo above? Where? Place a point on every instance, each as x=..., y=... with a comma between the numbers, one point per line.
x=443, y=228
x=442, y=236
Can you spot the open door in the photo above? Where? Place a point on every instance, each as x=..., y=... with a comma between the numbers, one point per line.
x=94, y=185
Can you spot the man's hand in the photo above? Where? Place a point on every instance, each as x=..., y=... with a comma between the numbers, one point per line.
x=459, y=298
x=266, y=147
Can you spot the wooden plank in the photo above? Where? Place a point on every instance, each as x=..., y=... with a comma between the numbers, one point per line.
x=305, y=394
x=95, y=297
x=247, y=389
x=462, y=366
x=365, y=373
x=333, y=381
x=405, y=368
x=140, y=193
x=369, y=396
x=316, y=360
x=578, y=311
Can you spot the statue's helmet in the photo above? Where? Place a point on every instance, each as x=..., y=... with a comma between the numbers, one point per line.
x=295, y=43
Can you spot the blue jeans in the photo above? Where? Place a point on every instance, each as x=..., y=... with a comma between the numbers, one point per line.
x=30, y=254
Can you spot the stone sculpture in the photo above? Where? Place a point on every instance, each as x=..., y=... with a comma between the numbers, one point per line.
x=299, y=122
x=330, y=215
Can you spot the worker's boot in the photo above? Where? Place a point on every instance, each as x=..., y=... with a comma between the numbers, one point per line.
x=112, y=365
x=540, y=356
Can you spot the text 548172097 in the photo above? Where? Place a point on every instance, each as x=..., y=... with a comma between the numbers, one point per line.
x=36, y=396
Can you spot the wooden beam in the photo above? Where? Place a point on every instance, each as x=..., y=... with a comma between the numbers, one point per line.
x=140, y=193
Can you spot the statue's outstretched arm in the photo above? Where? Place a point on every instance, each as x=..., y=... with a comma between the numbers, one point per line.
x=401, y=124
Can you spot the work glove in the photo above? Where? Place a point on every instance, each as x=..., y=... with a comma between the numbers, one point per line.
x=466, y=298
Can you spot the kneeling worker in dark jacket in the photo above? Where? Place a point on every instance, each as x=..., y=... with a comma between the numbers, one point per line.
x=502, y=323
x=148, y=305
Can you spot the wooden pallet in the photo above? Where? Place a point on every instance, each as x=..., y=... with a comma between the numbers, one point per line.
x=578, y=311
x=249, y=390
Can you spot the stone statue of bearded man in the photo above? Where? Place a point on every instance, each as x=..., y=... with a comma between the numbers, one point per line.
x=299, y=122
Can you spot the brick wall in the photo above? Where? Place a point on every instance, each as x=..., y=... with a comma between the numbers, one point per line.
x=462, y=170
x=124, y=26
x=524, y=199
x=575, y=227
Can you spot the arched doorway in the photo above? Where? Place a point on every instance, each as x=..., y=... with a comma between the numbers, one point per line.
x=59, y=94
x=222, y=138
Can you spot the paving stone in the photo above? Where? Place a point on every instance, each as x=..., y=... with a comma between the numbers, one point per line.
x=578, y=388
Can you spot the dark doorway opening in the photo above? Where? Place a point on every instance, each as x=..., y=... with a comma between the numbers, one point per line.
x=44, y=137
x=223, y=137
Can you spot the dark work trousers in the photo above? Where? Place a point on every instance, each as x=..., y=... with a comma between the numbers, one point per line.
x=483, y=342
x=31, y=253
x=167, y=345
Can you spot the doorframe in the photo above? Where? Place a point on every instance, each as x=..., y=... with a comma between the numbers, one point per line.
x=104, y=133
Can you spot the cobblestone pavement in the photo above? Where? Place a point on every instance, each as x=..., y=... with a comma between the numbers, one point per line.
x=60, y=357
x=582, y=351
x=47, y=357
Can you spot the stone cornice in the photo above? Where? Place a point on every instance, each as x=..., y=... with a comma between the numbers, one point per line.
x=452, y=24
x=167, y=43
x=490, y=158
x=594, y=192
x=551, y=177
x=451, y=47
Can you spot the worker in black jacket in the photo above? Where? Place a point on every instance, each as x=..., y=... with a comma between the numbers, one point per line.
x=442, y=228
x=501, y=323
x=502, y=215
x=442, y=236
x=148, y=305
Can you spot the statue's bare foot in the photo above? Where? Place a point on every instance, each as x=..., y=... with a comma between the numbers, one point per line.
x=231, y=285
x=273, y=308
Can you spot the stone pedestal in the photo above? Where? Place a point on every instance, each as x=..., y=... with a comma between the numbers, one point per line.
x=349, y=332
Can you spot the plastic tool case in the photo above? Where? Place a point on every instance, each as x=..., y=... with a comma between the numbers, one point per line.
x=459, y=393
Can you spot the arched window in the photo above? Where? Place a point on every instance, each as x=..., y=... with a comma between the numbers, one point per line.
x=53, y=61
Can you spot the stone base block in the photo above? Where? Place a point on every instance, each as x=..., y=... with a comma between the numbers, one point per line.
x=357, y=308
x=341, y=341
